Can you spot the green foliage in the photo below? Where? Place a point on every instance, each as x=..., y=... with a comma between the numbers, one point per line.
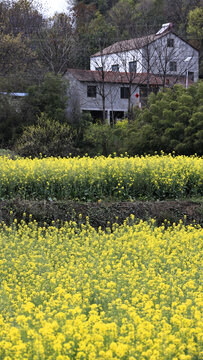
x=9, y=120
x=55, y=44
x=173, y=121
x=49, y=97
x=118, y=14
x=8, y=154
x=99, y=139
x=47, y=138
x=102, y=5
x=100, y=32
x=195, y=22
x=19, y=66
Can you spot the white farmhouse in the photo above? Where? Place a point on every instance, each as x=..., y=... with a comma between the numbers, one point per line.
x=163, y=54
x=122, y=75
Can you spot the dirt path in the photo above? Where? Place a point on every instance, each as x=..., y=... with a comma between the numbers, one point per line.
x=102, y=214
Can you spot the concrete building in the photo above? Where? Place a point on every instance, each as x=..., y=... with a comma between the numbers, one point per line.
x=112, y=92
x=163, y=54
x=122, y=75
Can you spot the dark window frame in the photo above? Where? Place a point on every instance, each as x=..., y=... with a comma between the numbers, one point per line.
x=124, y=92
x=133, y=66
x=115, y=67
x=91, y=91
x=191, y=75
x=173, y=66
x=170, y=42
x=100, y=68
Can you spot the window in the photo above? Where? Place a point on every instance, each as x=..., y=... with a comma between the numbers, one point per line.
x=191, y=75
x=154, y=89
x=173, y=66
x=125, y=92
x=115, y=67
x=170, y=42
x=91, y=91
x=143, y=91
x=132, y=66
x=99, y=68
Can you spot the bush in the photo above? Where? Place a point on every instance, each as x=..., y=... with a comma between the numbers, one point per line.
x=49, y=97
x=173, y=121
x=9, y=120
x=47, y=138
x=98, y=139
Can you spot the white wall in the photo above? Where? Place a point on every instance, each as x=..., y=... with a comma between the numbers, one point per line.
x=161, y=56
x=158, y=56
x=122, y=59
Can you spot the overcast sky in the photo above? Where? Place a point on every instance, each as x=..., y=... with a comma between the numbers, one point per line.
x=52, y=6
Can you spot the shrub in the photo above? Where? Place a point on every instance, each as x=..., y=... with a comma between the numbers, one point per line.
x=47, y=138
x=49, y=97
x=9, y=120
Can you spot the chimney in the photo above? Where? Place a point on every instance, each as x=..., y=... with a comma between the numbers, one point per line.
x=165, y=27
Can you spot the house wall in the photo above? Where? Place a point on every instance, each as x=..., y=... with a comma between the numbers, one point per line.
x=73, y=93
x=154, y=58
x=157, y=57
x=79, y=101
x=122, y=59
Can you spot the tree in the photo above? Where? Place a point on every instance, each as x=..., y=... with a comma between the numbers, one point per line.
x=195, y=31
x=177, y=12
x=93, y=32
x=19, y=63
x=102, y=5
x=9, y=120
x=49, y=97
x=156, y=12
x=83, y=14
x=173, y=121
x=99, y=139
x=118, y=14
x=55, y=43
x=100, y=34
x=167, y=60
x=195, y=23
x=16, y=62
x=47, y=137
x=22, y=17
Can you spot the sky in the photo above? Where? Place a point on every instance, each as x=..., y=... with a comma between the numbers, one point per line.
x=52, y=6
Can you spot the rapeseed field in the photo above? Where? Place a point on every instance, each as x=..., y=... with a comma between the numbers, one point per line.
x=154, y=177
x=76, y=293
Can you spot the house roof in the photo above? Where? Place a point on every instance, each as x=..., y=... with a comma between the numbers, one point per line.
x=114, y=77
x=137, y=43
x=127, y=45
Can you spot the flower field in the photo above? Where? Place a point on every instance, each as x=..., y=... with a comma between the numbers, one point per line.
x=156, y=177
x=74, y=293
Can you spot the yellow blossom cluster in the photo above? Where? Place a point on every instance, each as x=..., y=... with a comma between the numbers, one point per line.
x=76, y=293
x=95, y=178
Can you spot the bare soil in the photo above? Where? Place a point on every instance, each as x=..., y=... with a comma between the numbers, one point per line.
x=101, y=213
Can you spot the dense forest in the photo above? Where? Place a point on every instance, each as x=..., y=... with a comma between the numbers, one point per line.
x=35, y=52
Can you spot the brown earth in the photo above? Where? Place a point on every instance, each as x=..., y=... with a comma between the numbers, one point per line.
x=102, y=213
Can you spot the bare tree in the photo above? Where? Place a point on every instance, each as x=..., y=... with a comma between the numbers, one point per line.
x=55, y=43
x=170, y=59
